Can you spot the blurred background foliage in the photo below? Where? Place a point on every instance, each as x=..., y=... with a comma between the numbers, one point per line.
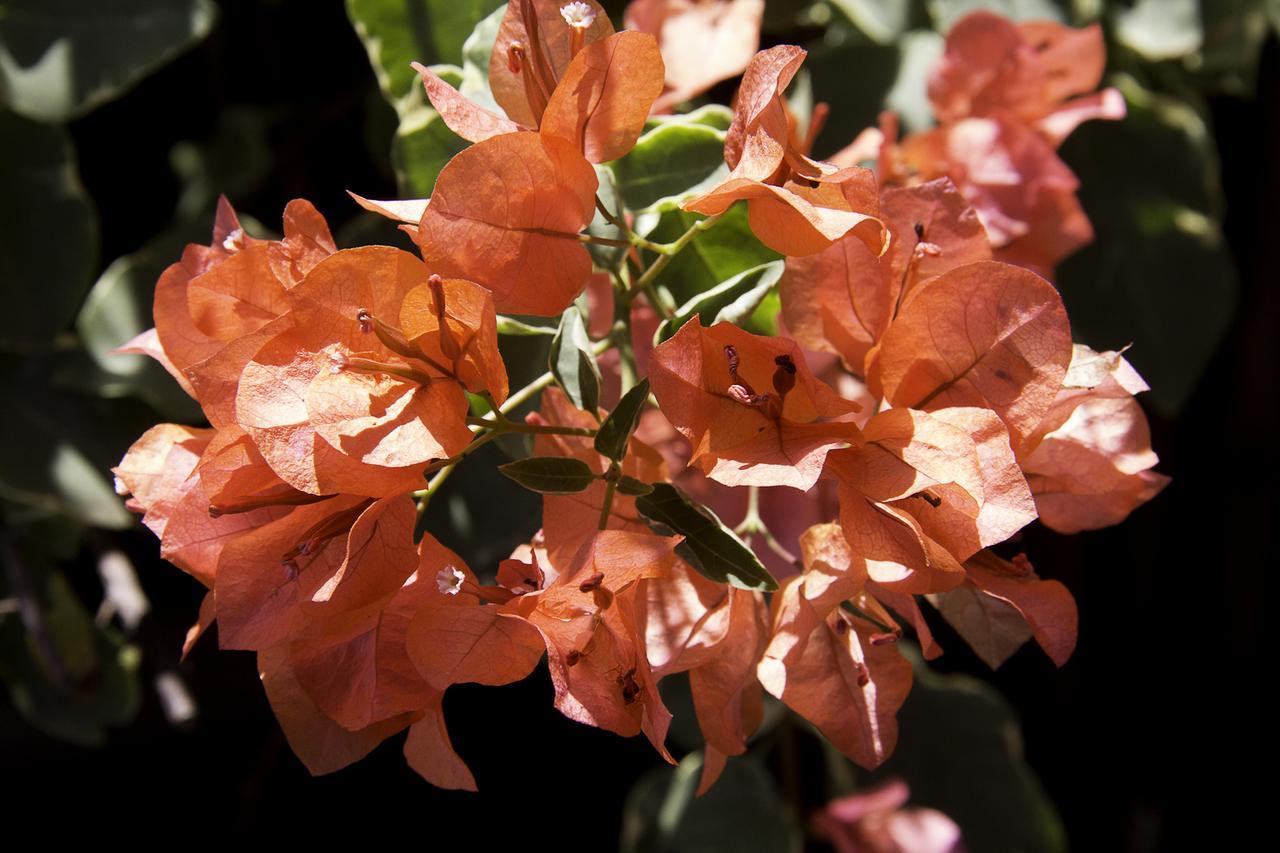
x=121, y=122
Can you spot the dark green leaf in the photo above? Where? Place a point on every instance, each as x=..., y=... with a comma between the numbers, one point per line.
x=731, y=301
x=607, y=257
x=1158, y=273
x=48, y=232
x=118, y=308
x=61, y=58
x=615, y=432
x=670, y=163
x=741, y=812
x=956, y=729
x=709, y=546
x=65, y=675
x=572, y=362
x=632, y=487
x=718, y=254
x=550, y=475
x=56, y=448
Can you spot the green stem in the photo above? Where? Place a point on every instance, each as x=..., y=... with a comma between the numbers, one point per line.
x=633, y=239
x=505, y=426
x=667, y=252
x=610, y=484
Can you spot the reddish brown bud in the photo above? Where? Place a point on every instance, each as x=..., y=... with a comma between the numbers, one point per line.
x=365, y=319
x=572, y=658
x=883, y=639
x=592, y=582
x=515, y=58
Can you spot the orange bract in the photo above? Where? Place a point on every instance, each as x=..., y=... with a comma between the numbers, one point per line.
x=506, y=214
x=601, y=103
x=795, y=205
x=985, y=334
x=842, y=299
x=753, y=412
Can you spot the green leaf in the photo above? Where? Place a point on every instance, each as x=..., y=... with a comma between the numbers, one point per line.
x=1158, y=273
x=615, y=432
x=423, y=144
x=742, y=811
x=48, y=232
x=572, y=362
x=61, y=58
x=709, y=546
x=607, y=257
x=632, y=487
x=1159, y=29
x=56, y=449
x=956, y=729
x=717, y=116
x=731, y=301
x=882, y=21
x=669, y=164
x=717, y=255
x=918, y=52
x=398, y=32
x=65, y=675
x=550, y=475
x=946, y=12
x=118, y=308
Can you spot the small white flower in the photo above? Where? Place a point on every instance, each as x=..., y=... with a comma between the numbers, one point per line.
x=234, y=241
x=449, y=580
x=578, y=15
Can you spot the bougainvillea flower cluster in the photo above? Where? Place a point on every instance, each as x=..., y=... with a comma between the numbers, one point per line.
x=925, y=403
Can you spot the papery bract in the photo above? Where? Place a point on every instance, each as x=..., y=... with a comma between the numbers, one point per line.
x=335, y=408
x=842, y=299
x=601, y=103
x=986, y=334
x=748, y=405
x=595, y=645
x=506, y=213
x=795, y=205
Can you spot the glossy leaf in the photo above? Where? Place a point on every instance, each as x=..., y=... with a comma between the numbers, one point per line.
x=670, y=163
x=398, y=32
x=48, y=231
x=731, y=301
x=550, y=475
x=709, y=546
x=742, y=812
x=58, y=60
x=615, y=431
x=572, y=362
x=632, y=487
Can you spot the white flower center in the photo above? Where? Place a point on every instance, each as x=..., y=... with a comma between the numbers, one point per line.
x=578, y=15
x=449, y=580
